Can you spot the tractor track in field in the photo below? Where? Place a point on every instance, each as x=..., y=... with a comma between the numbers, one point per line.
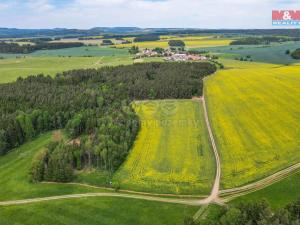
x=120, y=195
x=229, y=194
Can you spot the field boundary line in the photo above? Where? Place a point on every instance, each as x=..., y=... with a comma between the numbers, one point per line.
x=128, y=191
x=86, y=195
x=232, y=193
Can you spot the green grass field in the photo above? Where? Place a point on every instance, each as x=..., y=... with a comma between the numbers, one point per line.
x=96, y=211
x=14, y=178
x=274, y=53
x=278, y=194
x=11, y=69
x=254, y=109
x=172, y=153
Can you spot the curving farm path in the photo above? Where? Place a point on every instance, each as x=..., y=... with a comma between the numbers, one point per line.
x=215, y=190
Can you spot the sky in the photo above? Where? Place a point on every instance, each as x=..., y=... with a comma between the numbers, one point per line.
x=213, y=14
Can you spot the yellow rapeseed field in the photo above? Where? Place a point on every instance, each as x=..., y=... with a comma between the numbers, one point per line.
x=255, y=113
x=172, y=153
x=190, y=42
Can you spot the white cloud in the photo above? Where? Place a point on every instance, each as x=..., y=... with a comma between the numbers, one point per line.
x=150, y=13
x=39, y=5
x=99, y=2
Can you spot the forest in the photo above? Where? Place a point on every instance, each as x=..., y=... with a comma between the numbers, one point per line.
x=94, y=107
x=262, y=40
x=253, y=213
x=25, y=49
x=146, y=37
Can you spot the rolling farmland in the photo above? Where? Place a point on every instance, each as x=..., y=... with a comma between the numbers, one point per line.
x=254, y=111
x=190, y=42
x=75, y=52
x=273, y=53
x=11, y=69
x=172, y=153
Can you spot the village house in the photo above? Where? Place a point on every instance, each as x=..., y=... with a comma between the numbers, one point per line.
x=185, y=57
x=147, y=53
x=171, y=55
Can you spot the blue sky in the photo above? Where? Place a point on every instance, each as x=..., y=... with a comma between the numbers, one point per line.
x=141, y=13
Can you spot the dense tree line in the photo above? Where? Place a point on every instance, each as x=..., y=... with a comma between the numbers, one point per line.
x=152, y=80
x=107, y=42
x=296, y=54
x=147, y=37
x=176, y=43
x=262, y=40
x=94, y=107
x=89, y=38
x=256, y=213
x=24, y=49
x=35, y=40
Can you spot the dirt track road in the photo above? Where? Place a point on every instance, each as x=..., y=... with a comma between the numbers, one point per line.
x=215, y=190
x=229, y=194
x=87, y=195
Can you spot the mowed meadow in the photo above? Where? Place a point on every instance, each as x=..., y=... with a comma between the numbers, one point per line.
x=255, y=113
x=95, y=211
x=172, y=153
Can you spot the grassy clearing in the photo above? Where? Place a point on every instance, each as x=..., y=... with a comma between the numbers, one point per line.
x=278, y=194
x=93, y=177
x=172, y=153
x=14, y=179
x=254, y=110
x=274, y=53
x=11, y=69
x=100, y=211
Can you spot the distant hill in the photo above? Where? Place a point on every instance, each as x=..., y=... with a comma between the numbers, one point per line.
x=133, y=31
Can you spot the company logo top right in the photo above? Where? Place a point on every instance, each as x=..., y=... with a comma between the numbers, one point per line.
x=286, y=17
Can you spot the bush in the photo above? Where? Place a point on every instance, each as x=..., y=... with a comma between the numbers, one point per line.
x=296, y=54
x=37, y=170
x=107, y=42
x=134, y=50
